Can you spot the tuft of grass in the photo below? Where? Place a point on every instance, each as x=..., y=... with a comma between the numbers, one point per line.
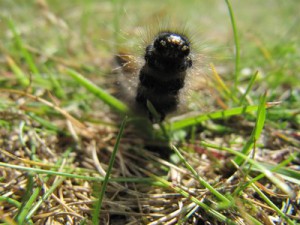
x=259, y=125
x=225, y=203
x=184, y=193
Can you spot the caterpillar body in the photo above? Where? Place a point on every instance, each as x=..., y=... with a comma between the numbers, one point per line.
x=162, y=76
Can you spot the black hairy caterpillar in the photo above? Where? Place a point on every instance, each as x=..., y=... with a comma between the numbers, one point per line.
x=163, y=75
x=160, y=78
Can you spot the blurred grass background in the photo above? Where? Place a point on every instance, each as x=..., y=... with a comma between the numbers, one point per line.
x=86, y=35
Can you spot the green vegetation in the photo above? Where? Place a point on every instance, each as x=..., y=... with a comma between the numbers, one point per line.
x=66, y=157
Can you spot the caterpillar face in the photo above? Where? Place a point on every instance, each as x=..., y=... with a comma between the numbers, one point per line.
x=162, y=75
x=171, y=45
x=169, y=52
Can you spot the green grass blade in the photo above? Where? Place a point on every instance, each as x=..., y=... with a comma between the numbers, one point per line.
x=283, y=186
x=97, y=209
x=223, y=89
x=10, y=201
x=253, y=78
x=45, y=123
x=260, y=121
x=23, y=50
x=23, y=212
x=114, y=103
x=194, y=120
x=288, y=173
x=207, y=208
x=44, y=198
x=56, y=84
x=76, y=176
x=20, y=218
x=22, y=78
x=225, y=202
x=279, y=169
x=272, y=205
x=237, y=45
x=34, y=206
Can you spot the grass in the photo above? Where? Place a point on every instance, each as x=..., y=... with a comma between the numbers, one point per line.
x=67, y=157
x=97, y=209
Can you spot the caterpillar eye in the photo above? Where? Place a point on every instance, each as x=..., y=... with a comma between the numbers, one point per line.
x=185, y=49
x=163, y=43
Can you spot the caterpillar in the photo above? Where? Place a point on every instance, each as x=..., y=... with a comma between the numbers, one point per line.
x=154, y=86
x=163, y=74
